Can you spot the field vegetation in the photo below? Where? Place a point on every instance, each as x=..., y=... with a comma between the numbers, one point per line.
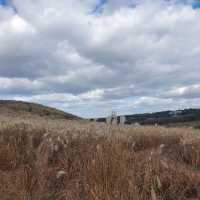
x=45, y=159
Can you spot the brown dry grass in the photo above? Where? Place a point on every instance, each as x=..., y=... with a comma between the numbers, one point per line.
x=71, y=160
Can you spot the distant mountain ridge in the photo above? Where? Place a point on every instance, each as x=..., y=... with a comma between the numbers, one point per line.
x=161, y=118
x=11, y=107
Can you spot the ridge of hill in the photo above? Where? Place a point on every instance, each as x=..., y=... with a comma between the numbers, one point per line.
x=185, y=117
x=21, y=108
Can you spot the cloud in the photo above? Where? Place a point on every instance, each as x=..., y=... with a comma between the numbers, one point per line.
x=186, y=92
x=133, y=56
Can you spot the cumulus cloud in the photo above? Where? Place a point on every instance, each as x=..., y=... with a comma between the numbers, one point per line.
x=89, y=57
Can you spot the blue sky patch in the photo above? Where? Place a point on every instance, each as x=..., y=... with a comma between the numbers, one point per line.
x=196, y=4
x=99, y=7
x=3, y=2
x=8, y=3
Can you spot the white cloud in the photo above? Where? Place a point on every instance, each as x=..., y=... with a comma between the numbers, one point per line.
x=12, y=84
x=191, y=91
x=134, y=53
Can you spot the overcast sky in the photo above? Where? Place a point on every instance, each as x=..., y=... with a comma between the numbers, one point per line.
x=89, y=57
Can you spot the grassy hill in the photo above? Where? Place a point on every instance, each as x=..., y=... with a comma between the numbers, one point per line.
x=25, y=109
x=48, y=158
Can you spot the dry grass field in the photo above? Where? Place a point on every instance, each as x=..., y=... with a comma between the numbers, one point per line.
x=45, y=159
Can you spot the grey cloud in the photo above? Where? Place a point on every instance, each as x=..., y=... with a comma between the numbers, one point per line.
x=187, y=92
x=134, y=51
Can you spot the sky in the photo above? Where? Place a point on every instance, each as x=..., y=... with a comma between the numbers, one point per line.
x=89, y=57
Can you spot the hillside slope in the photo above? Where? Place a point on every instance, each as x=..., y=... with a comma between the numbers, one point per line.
x=20, y=108
x=185, y=118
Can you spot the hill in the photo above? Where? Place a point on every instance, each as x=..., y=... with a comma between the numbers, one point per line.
x=26, y=109
x=186, y=117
